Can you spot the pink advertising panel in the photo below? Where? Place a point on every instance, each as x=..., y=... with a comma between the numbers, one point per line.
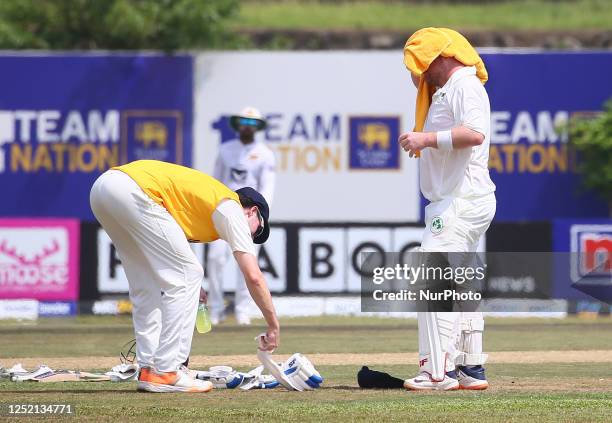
x=39, y=259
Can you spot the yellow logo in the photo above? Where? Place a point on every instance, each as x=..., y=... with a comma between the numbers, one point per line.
x=372, y=134
x=152, y=132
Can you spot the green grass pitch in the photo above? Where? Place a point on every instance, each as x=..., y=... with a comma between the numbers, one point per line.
x=522, y=388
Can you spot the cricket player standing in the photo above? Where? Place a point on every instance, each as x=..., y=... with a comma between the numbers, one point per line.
x=240, y=163
x=451, y=135
x=152, y=210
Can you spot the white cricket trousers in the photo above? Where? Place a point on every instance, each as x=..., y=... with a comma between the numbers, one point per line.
x=163, y=273
x=219, y=253
x=463, y=223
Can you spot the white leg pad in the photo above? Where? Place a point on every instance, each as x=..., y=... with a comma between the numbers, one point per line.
x=464, y=359
x=470, y=341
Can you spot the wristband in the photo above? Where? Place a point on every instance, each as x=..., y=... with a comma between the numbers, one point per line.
x=444, y=140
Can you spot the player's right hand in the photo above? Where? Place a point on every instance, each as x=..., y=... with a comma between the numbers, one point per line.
x=203, y=296
x=271, y=340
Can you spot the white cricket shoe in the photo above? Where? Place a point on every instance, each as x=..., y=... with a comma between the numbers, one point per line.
x=152, y=381
x=472, y=378
x=423, y=382
x=191, y=373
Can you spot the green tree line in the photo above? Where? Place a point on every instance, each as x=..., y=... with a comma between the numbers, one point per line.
x=116, y=24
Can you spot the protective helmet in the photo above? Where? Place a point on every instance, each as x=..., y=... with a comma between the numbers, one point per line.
x=249, y=116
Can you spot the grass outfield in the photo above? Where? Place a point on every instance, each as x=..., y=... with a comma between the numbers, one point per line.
x=521, y=390
x=506, y=15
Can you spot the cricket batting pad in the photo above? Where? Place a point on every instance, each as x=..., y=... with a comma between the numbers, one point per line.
x=470, y=342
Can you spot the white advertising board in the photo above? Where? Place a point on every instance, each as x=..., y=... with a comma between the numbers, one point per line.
x=272, y=261
x=333, y=123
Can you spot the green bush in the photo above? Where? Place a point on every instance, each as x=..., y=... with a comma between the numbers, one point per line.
x=116, y=24
x=592, y=139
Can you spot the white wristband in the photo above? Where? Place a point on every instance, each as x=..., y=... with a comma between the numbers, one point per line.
x=444, y=140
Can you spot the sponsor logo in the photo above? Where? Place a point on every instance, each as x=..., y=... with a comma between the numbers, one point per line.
x=56, y=308
x=38, y=259
x=593, y=245
x=437, y=225
x=57, y=141
x=105, y=307
x=87, y=141
x=151, y=134
x=422, y=362
x=373, y=142
x=530, y=142
x=19, y=309
x=24, y=263
x=302, y=142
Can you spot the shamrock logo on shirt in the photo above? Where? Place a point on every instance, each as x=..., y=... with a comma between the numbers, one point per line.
x=437, y=224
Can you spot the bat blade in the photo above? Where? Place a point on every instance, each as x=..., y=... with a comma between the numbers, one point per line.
x=71, y=376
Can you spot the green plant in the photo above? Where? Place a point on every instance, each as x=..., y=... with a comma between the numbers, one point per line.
x=592, y=139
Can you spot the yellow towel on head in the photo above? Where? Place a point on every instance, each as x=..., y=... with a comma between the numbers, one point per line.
x=423, y=47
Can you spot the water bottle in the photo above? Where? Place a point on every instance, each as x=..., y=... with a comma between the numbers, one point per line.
x=203, y=324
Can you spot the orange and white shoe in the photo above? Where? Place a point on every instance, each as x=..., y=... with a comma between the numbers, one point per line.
x=424, y=382
x=152, y=381
x=472, y=378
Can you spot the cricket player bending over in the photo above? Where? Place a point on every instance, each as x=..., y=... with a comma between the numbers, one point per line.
x=451, y=135
x=241, y=163
x=152, y=210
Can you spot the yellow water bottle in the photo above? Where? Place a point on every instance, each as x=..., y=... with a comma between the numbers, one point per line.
x=203, y=324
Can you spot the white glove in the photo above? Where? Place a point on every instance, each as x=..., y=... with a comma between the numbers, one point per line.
x=302, y=373
x=221, y=377
x=256, y=380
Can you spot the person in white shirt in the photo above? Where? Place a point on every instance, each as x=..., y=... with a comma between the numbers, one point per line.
x=452, y=136
x=244, y=162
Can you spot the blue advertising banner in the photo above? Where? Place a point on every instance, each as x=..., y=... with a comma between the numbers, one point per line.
x=66, y=118
x=532, y=96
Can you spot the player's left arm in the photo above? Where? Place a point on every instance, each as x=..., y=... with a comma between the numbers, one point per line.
x=460, y=137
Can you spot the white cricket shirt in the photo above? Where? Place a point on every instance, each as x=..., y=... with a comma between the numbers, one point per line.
x=232, y=227
x=252, y=165
x=464, y=172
